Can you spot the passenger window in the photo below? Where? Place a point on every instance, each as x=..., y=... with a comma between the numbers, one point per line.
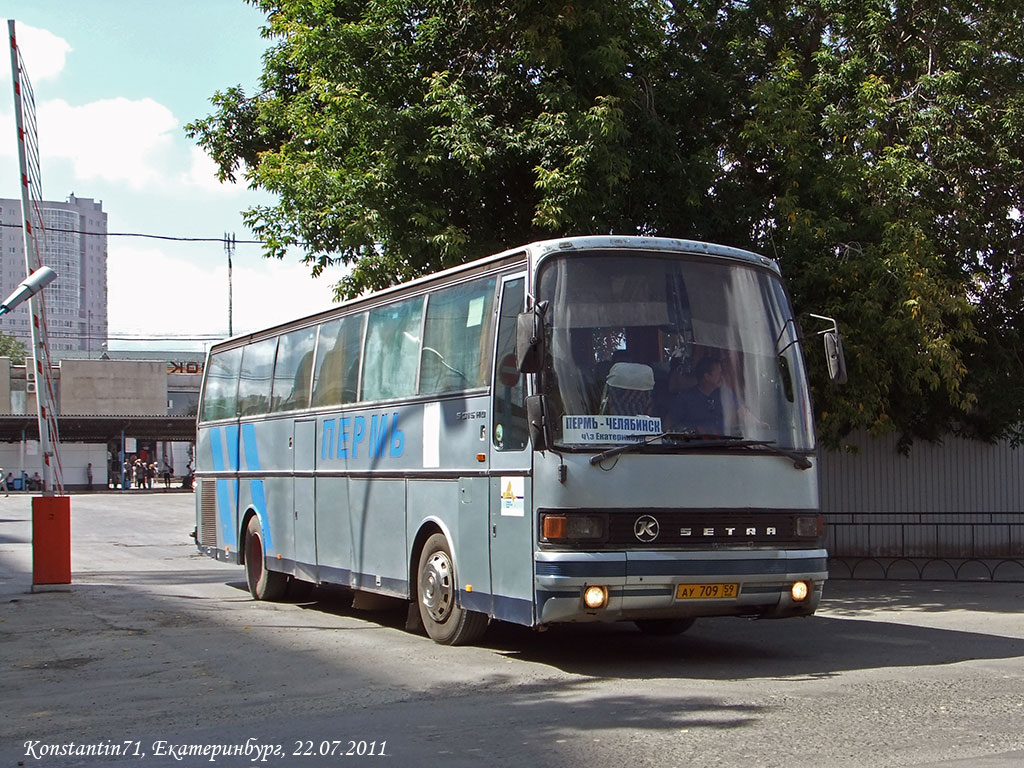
x=221, y=391
x=255, y=378
x=392, y=350
x=510, y=431
x=457, y=338
x=337, y=361
x=292, y=370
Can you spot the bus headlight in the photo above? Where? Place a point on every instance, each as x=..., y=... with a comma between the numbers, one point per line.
x=595, y=597
x=800, y=591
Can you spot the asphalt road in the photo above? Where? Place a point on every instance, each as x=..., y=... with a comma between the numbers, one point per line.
x=158, y=651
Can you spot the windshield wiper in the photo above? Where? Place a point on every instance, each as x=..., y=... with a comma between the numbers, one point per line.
x=693, y=440
x=684, y=436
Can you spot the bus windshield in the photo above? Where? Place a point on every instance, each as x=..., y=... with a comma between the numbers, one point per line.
x=645, y=344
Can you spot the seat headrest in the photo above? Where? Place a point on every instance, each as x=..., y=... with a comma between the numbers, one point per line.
x=631, y=376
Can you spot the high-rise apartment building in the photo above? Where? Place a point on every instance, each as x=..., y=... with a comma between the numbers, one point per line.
x=75, y=247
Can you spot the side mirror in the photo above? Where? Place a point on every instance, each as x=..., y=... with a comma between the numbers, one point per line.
x=530, y=339
x=834, y=357
x=536, y=418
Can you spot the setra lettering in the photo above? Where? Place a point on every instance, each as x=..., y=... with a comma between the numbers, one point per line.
x=727, y=532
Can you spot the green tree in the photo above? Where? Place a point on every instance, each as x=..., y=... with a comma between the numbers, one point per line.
x=403, y=138
x=872, y=146
x=883, y=142
x=12, y=348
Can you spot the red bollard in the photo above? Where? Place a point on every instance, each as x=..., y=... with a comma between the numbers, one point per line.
x=51, y=540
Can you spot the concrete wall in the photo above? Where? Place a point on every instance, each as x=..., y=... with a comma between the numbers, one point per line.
x=5, y=385
x=113, y=387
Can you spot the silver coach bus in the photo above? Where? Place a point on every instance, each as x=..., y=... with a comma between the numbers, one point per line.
x=588, y=429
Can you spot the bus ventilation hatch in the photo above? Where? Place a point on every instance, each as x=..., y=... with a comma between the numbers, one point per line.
x=208, y=506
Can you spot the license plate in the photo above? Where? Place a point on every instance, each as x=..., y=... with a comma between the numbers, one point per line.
x=706, y=591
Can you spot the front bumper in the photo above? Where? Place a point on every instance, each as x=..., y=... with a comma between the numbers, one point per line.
x=642, y=585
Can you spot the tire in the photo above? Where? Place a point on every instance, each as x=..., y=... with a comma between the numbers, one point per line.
x=664, y=627
x=437, y=595
x=263, y=584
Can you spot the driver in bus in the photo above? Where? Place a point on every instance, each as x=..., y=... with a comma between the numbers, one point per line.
x=709, y=407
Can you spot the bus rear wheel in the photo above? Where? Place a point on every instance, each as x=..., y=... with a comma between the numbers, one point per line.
x=263, y=584
x=663, y=627
x=437, y=595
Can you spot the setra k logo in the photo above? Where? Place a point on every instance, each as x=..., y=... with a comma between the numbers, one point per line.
x=646, y=528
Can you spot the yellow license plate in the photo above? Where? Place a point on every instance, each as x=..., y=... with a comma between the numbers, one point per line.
x=706, y=591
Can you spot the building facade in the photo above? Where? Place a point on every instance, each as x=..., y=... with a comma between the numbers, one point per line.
x=75, y=247
x=111, y=412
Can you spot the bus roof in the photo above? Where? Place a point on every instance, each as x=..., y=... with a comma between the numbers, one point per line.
x=530, y=253
x=673, y=245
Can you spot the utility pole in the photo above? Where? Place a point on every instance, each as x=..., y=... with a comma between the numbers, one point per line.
x=229, y=249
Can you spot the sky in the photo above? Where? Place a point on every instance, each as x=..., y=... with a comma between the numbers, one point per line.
x=115, y=83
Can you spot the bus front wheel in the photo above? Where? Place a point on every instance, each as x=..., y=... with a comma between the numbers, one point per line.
x=263, y=584
x=437, y=595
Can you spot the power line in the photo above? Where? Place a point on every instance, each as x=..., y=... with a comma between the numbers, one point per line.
x=94, y=337
x=144, y=235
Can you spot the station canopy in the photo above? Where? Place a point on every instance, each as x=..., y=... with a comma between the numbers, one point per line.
x=102, y=429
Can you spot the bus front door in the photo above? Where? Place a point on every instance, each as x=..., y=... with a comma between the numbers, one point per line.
x=511, y=514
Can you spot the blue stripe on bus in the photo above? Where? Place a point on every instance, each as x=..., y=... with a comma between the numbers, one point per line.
x=475, y=601
x=589, y=568
x=342, y=576
x=586, y=569
x=256, y=488
x=513, y=609
x=546, y=594
x=231, y=435
x=224, y=506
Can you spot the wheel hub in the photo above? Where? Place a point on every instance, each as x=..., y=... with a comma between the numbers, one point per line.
x=436, y=591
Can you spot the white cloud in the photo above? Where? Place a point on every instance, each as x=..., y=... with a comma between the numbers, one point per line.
x=43, y=52
x=117, y=140
x=154, y=293
x=7, y=135
x=137, y=143
x=202, y=175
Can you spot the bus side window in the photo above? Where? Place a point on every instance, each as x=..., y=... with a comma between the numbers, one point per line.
x=292, y=370
x=336, y=373
x=256, y=376
x=221, y=391
x=509, y=432
x=458, y=321
x=391, y=354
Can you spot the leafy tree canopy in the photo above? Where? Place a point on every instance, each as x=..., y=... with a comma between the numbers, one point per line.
x=12, y=348
x=872, y=146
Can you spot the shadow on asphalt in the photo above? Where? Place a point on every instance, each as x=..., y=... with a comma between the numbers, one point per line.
x=728, y=647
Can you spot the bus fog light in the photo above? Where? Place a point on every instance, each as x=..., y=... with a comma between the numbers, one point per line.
x=595, y=597
x=800, y=591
